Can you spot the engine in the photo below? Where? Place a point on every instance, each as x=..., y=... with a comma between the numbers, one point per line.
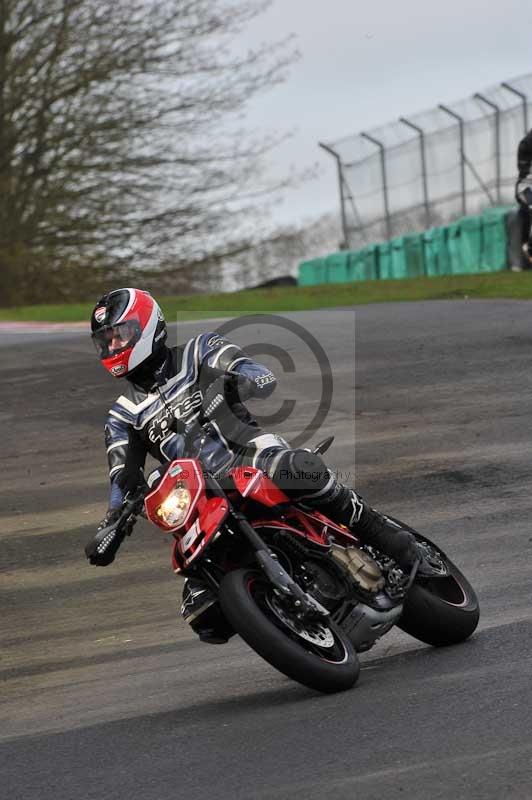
x=324, y=581
x=361, y=588
x=361, y=567
x=381, y=583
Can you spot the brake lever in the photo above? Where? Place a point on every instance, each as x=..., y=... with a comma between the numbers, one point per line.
x=132, y=507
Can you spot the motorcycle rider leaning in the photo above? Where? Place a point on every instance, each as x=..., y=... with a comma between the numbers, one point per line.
x=523, y=195
x=207, y=379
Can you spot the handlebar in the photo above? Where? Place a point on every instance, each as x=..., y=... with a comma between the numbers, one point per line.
x=102, y=548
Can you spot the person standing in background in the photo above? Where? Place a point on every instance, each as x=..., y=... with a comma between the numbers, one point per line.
x=523, y=194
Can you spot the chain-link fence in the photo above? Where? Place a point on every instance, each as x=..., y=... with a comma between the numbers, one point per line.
x=432, y=167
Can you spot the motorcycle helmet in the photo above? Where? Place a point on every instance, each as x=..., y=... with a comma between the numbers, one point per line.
x=128, y=328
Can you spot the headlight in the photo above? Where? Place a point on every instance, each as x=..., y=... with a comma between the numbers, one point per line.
x=174, y=509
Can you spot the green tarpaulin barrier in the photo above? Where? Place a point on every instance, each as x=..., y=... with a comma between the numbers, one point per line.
x=313, y=272
x=363, y=264
x=415, y=259
x=384, y=261
x=470, y=245
x=495, y=240
x=398, y=267
x=454, y=243
x=407, y=256
x=437, y=259
x=337, y=267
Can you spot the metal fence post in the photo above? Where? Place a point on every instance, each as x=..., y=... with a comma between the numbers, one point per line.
x=343, y=216
x=356, y=215
x=421, y=135
x=497, y=110
x=524, y=101
x=384, y=182
x=461, y=129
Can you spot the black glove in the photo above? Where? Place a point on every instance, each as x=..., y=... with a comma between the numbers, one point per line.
x=102, y=548
x=111, y=516
x=251, y=387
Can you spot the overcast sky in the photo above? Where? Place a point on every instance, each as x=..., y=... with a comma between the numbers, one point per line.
x=366, y=63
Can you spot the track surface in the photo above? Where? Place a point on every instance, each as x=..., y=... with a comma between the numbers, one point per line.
x=105, y=693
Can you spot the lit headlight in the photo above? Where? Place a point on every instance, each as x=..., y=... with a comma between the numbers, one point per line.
x=174, y=509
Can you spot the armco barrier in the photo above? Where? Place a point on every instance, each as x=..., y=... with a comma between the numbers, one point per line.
x=470, y=245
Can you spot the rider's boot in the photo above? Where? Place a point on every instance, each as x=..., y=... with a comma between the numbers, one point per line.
x=377, y=531
x=347, y=508
x=527, y=253
x=201, y=610
x=305, y=478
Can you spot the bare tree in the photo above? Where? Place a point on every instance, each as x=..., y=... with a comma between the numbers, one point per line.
x=276, y=255
x=119, y=139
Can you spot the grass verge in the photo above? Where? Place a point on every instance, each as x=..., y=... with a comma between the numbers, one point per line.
x=516, y=285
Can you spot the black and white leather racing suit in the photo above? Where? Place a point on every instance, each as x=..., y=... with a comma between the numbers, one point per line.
x=142, y=421
x=141, y=418
x=523, y=191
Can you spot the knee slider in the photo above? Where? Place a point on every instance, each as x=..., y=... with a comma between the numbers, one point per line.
x=300, y=473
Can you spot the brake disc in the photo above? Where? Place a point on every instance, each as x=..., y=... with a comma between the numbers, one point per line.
x=313, y=632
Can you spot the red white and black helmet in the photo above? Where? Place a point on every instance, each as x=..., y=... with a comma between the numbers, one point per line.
x=128, y=327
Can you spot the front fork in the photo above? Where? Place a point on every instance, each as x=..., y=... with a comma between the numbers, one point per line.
x=275, y=572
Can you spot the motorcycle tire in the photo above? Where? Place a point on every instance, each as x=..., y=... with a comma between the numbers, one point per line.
x=439, y=611
x=246, y=600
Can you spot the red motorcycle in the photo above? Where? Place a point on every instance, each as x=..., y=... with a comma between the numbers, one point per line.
x=302, y=591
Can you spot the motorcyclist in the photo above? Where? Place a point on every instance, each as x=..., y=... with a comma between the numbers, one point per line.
x=207, y=378
x=523, y=194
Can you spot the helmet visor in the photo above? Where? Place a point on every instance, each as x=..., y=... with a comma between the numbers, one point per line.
x=113, y=339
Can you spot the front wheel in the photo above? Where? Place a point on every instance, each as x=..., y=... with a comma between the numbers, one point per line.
x=316, y=654
x=439, y=611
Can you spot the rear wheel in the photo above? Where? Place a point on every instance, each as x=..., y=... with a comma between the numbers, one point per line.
x=440, y=611
x=316, y=654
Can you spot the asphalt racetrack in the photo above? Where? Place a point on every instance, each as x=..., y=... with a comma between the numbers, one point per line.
x=104, y=691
